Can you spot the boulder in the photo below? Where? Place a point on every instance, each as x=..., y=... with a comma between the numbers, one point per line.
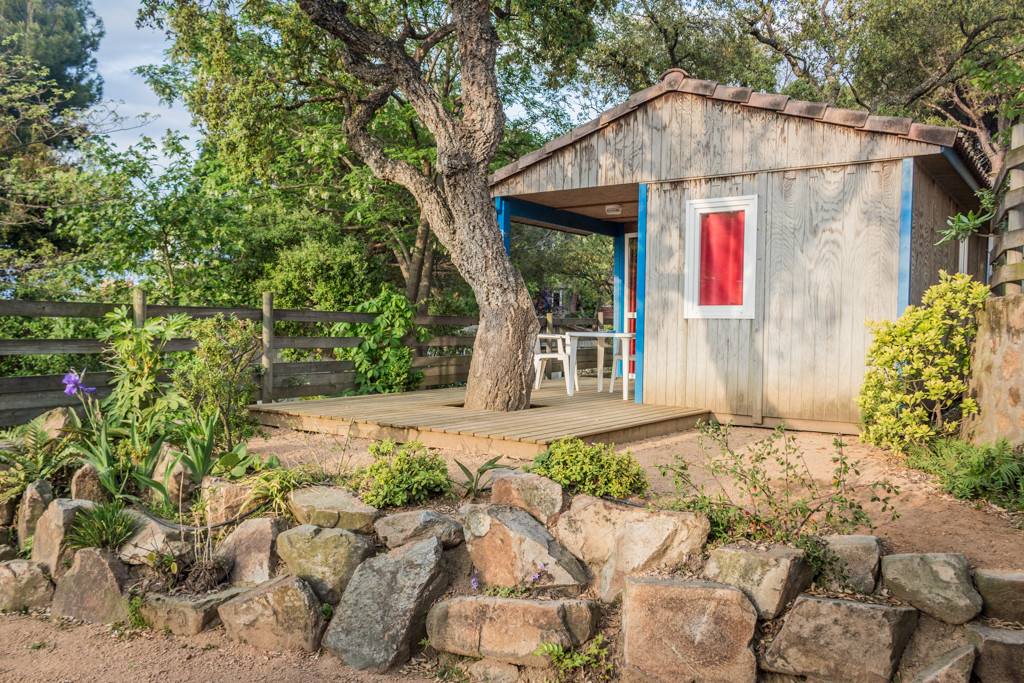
x=841, y=641
x=507, y=629
x=34, y=501
x=323, y=558
x=938, y=584
x=409, y=527
x=222, y=499
x=93, y=589
x=24, y=584
x=185, y=615
x=770, y=578
x=53, y=422
x=615, y=540
x=381, y=615
x=8, y=553
x=953, y=667
x=493, y=671
x=180, y=486
x=675, y=630
x=86, y=485
x=9, y=536
x=858, y=557
x=1000, y=653
x=282, y=614
x=48, y=547
x=7, y=510
x=333, y=508
x=509, y=548
x=251, y=550
x=153, y=538
x=539, y=496
x=1002, y=592
x=931, y=640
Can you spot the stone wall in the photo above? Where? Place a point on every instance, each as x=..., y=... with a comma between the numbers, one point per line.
x=997, y=373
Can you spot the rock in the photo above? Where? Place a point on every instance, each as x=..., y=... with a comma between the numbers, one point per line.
x=185, y=615
x=508, y=629
x=408, y=527
x=282, y=614
x=1000, y=653
x=54, y=421
x=770, y=578
x=153, y=538
x=615, y=540
x=841, y=641
x=938, y=584
x=34, y=501
x=323, y=558
x=954, y=667
x=180, y=487
x=333, y=508
x=222, y=500
x=8, y=553
x=1002, y=592
x=48, y=547
x=931, y=640
x=493, y=671
x=9, y=536
x=677, y=630
x=251, y=550
x=86, y=485
x=510, y=547
x=93, y=589
x=858, y=556
x=539, y=496
x=7, y=510
x=24, y=584
x=382, y=613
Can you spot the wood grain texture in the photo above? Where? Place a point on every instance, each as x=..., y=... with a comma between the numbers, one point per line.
x=932, y=208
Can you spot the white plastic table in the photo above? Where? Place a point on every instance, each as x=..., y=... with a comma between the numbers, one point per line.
x=623, y=337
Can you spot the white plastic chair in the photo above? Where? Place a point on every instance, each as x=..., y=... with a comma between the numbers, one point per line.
x=555, y=349
x=620, y=352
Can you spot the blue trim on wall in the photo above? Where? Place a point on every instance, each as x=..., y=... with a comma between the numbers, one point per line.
x=619, y=289
x=641, y=292
x=906, y=230
x=504, y=222
x=544, y=216
x=961, y=169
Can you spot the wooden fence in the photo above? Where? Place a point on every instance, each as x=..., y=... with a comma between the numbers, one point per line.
x=1007, y=256
x=444, y=359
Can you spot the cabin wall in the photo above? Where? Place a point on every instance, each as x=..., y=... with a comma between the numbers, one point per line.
x=679, y=136
x=932, y=208
x=828, y=246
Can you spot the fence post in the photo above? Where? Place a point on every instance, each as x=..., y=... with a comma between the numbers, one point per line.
x=269, y=353
x=1015, y=216
x=139, y=306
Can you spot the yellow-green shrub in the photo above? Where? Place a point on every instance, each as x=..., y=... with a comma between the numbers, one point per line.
x=594, y=469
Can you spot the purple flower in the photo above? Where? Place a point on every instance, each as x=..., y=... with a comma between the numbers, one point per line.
x=73, y=384
x=534, y=577
x=475, y=583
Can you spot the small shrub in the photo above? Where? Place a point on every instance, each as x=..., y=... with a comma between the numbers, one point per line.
x=475, y=481
x=271, y=488
x=594, y=469
x=105, y=526
x=402, y=474
x=30, y=454
x=994, y=472
x=572, y=661
x=917, y=367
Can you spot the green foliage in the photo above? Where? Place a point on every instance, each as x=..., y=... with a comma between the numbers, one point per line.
x=198, y=458
x=549, y=259
x=271, y=488
x=135, y=604
x=993, y=472
x=218, y=377
x=106, y=526
x=571, y=661
x=31, y=453
x=593, y=469
x=474, y=480
x=383, y=361
x=962, y=226
x=777, y=499
x=401, y=475
x=917, y=367
x=237, y=463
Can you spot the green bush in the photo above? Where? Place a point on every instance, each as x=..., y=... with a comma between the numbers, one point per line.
x=106, y=526
x=594, y=469
x=917, y=367
x=402, y=474
x=994, y=472
x=29, y=454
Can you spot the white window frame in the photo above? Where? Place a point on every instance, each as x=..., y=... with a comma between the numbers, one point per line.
x=695, y=208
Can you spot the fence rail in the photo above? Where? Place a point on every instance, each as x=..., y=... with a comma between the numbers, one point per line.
x=25, y=397
x=1007, y=257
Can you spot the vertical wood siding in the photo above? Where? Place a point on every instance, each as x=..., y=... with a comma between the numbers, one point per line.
x=932, y=208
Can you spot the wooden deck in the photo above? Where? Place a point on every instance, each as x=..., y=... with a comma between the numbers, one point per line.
x=436, y=418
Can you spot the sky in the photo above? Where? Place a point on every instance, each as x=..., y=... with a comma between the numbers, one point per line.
x=123, y=48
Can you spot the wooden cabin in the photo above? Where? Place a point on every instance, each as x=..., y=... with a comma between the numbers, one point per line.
x=754, y=236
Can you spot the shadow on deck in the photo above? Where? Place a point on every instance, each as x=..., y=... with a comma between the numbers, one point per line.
x=436, y=418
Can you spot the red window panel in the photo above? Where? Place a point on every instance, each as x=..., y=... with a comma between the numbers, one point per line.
x=721, y=258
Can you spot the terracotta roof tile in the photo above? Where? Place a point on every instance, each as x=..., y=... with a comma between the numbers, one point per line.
x=845, y=117
x=697, y=87
x=894, y=125
x=934, y=135
x=730, y=94
x=763, y=100
x=808, y=110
